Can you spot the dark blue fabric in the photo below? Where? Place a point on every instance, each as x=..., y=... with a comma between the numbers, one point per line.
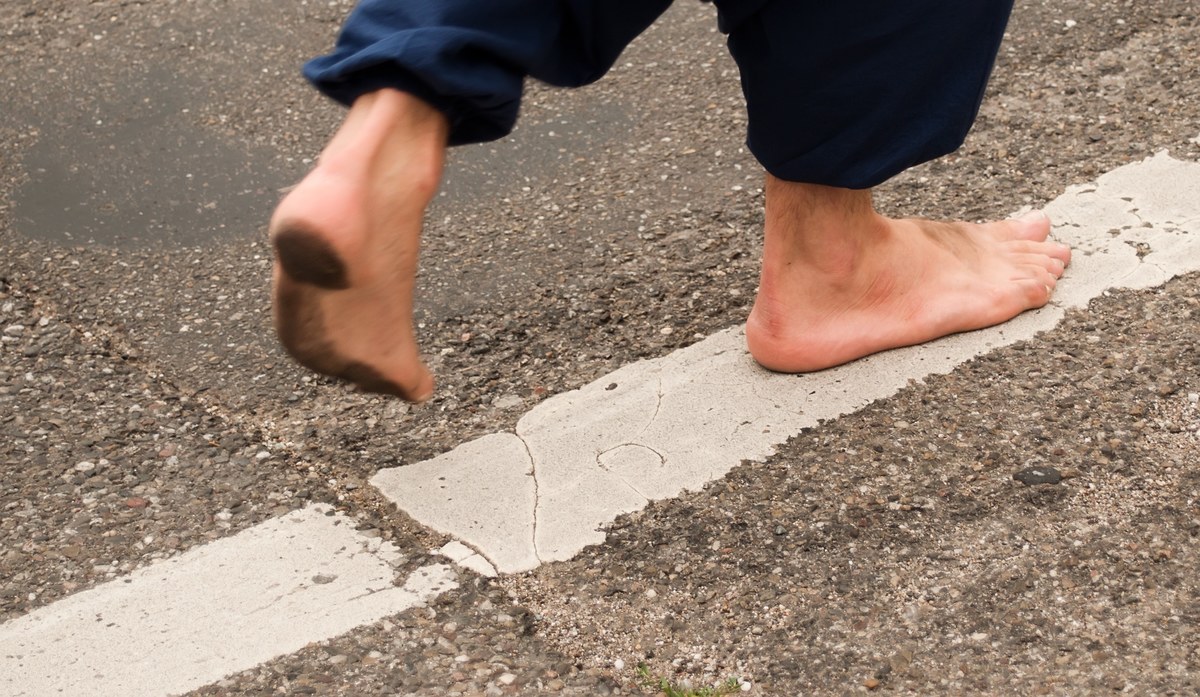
x=851, y=93
x=844, y=93
x=469, y=58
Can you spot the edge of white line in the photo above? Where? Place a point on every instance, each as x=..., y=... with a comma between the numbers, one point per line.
x=655, y=428
x=213, y=611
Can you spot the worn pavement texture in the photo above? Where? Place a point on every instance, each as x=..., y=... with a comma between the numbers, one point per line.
x=145, y=408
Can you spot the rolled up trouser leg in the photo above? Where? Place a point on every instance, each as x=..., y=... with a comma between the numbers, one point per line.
x=469, y=58
x=851, y=93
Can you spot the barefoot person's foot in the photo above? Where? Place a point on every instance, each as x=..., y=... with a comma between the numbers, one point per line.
x=840, y=282
x=346, y=242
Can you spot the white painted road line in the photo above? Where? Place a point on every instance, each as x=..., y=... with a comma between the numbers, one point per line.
x=211, y=612
x=653, y=429
x=647, y=431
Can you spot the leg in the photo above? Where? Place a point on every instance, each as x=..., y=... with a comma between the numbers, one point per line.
x=840, y=281
x=842, y=96
x=419, y=74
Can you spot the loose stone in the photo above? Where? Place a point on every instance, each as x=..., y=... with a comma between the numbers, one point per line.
x=1038, y=475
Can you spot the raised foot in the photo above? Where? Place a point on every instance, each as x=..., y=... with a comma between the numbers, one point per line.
x=346, y=243
x=909, y=282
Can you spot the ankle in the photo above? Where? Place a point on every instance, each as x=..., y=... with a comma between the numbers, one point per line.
x=389, y=131
x=827, y=231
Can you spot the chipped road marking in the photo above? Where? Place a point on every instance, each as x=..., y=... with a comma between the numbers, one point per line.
x=578, y=460
x=213, y=611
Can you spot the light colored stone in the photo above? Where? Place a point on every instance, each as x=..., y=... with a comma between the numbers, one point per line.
x=508, y=401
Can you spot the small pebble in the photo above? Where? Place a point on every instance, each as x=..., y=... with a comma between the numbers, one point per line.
x=507, y=401
x=1038, y=475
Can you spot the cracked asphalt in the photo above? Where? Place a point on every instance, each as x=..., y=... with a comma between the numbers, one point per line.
x=145, y=408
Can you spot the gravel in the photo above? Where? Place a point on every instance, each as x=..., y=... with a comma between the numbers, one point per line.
x=108, y=466
x=891, y=549
x=893, y=545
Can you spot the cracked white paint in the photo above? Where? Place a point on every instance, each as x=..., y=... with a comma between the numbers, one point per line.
x=487, y=488
x=219, y=609
x=655, y=428
x=467, y=558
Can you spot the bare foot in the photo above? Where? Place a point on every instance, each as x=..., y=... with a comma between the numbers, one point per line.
x=840, y=282
x=346, y=243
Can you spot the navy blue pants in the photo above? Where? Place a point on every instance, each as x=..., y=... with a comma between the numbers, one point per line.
x=844, y=93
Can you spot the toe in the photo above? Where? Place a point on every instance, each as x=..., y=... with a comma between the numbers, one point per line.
x=1051, y=250
x=1033, y=226
x=1061, y=252
x=1036, y=292
x=1052, y=265
x=1036, y=273
x=422, y=391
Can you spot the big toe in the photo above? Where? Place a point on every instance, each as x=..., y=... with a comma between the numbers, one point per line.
x=1033, y=226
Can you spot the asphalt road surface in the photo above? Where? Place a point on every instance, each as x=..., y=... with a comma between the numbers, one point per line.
x=149, y=422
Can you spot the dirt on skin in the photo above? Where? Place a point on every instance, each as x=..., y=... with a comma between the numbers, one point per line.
x=619, y=222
